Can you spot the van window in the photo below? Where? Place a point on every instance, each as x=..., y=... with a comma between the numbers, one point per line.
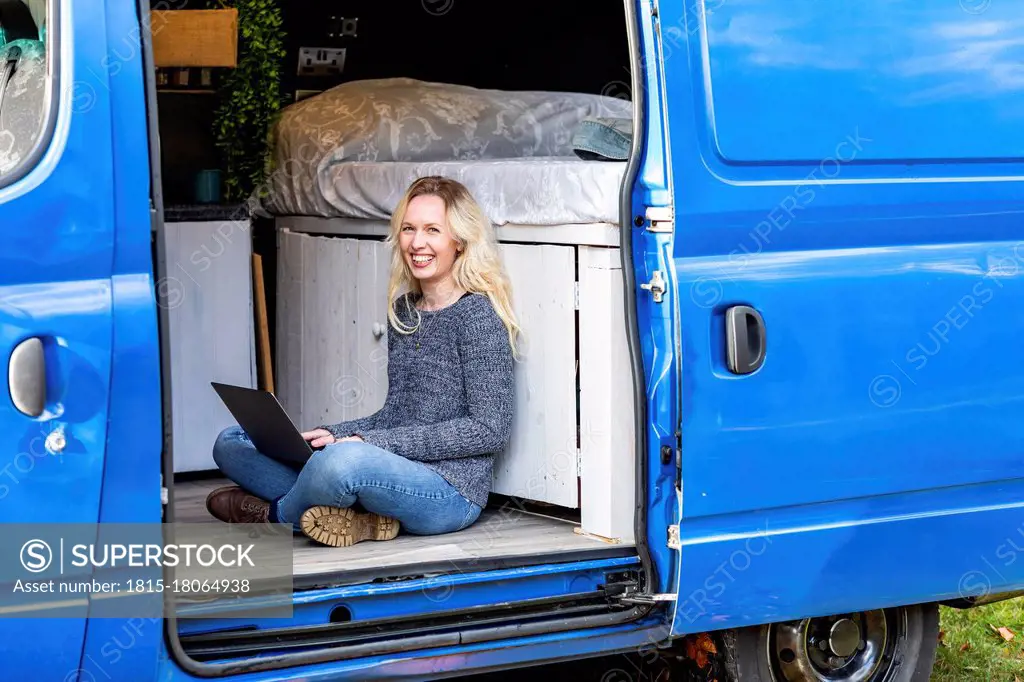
x=23, y=84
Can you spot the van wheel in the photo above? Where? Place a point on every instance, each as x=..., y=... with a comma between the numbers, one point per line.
x=887, y=645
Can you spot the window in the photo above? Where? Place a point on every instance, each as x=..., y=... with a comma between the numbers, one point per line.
x=23, y=84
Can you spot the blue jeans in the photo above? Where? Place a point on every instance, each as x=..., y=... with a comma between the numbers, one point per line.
x=342, y=475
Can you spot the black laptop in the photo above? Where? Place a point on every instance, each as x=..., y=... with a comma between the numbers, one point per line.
x=266, y=423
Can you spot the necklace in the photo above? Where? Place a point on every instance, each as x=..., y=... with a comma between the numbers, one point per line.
x=445, y=305
x=448, y=302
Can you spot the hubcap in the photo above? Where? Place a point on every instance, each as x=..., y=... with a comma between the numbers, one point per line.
x=844, y=637
x=856, y=647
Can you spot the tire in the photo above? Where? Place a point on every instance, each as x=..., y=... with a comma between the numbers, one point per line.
x=898, y=645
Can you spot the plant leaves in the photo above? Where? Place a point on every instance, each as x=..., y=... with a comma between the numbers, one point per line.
x=250, y=96
x=698, y=647
x=1006, y=633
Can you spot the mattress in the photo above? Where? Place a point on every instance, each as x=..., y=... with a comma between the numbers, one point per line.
x=531, y=191
x=352, y=151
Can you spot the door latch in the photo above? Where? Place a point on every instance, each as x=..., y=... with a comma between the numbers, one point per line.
x=673, y=538
x=660, y=218
x=656, y=286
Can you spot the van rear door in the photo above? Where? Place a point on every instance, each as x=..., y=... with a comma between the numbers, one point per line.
x=56, y=216
x=848, y=253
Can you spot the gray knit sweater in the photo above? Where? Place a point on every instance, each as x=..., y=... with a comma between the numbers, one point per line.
x=450, y=394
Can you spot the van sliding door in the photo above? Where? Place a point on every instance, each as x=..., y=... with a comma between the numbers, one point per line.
x=57, y=218
x=848, y=249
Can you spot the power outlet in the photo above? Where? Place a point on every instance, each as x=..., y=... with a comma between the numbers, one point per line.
x=321, y=61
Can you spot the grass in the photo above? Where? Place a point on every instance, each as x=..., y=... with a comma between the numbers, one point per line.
x=971, y=651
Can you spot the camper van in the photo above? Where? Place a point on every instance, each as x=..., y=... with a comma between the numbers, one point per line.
x=765, y=255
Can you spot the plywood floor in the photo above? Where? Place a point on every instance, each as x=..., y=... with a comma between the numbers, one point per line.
x=509, y=535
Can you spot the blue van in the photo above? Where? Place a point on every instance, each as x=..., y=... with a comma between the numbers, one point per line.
x=808, y=498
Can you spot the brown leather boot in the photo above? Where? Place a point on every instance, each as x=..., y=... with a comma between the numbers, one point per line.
x=233, y=505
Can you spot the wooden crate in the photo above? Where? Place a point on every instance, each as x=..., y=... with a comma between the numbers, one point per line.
x=195, y=37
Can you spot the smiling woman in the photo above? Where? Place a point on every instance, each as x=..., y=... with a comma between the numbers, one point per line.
x=424, y=461
x=443, y=247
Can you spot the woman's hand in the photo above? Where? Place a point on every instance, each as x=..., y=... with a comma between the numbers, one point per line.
x=318, y=438
x=355, y=438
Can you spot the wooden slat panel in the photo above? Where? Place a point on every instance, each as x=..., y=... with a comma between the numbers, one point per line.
x=363, y=390
x=540, y=463
x=316, y=366
x=606, y=405
x=332, y=293
x=264, y=365
x=290, y=278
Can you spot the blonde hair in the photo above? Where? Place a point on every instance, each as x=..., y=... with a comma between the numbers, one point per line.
x=477, y=269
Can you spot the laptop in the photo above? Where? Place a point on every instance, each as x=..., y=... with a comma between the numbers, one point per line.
x=266, y=423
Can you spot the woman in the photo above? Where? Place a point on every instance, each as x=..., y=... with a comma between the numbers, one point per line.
x=424, y=460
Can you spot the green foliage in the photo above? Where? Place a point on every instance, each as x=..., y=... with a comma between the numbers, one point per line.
x=250, y=96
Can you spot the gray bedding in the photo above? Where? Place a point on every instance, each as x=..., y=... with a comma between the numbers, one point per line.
x=352, y=151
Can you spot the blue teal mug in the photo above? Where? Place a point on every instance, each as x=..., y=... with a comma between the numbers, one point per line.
x=208, y=186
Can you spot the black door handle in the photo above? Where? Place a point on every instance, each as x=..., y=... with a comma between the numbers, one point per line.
x=744, y=339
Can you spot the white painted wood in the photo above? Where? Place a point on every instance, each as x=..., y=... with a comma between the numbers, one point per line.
x=208, y=291
x=606, y=399
x=331, y=327
x=594, y=234
x=509, y=532
x=540, y=463
x=333, y=291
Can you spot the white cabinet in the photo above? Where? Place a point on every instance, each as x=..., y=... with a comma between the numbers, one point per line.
x=332, y=350
x=208, y=294
x=542, y=459
x=573, y=435
x=607, y=432
x=331, y=327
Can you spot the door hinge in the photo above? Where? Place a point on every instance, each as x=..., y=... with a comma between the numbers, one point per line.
x=163, y=496
x=647, y=598
x=576, y=295
x=656, y=286
x=673, y=538
x=660, y=218
x=626, y=589
x=579, y=463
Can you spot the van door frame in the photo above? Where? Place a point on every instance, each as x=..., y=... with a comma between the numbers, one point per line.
x=647, y=613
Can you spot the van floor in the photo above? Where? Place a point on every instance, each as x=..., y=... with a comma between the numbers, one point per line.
x=501, y=537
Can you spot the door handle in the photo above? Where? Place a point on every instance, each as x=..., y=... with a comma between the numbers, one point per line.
x=26, y=377
x=744, y=338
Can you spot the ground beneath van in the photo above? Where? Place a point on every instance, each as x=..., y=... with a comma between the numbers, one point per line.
x=501, y=537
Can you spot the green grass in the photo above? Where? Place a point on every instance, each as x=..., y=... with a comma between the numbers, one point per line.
x=987, y=658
